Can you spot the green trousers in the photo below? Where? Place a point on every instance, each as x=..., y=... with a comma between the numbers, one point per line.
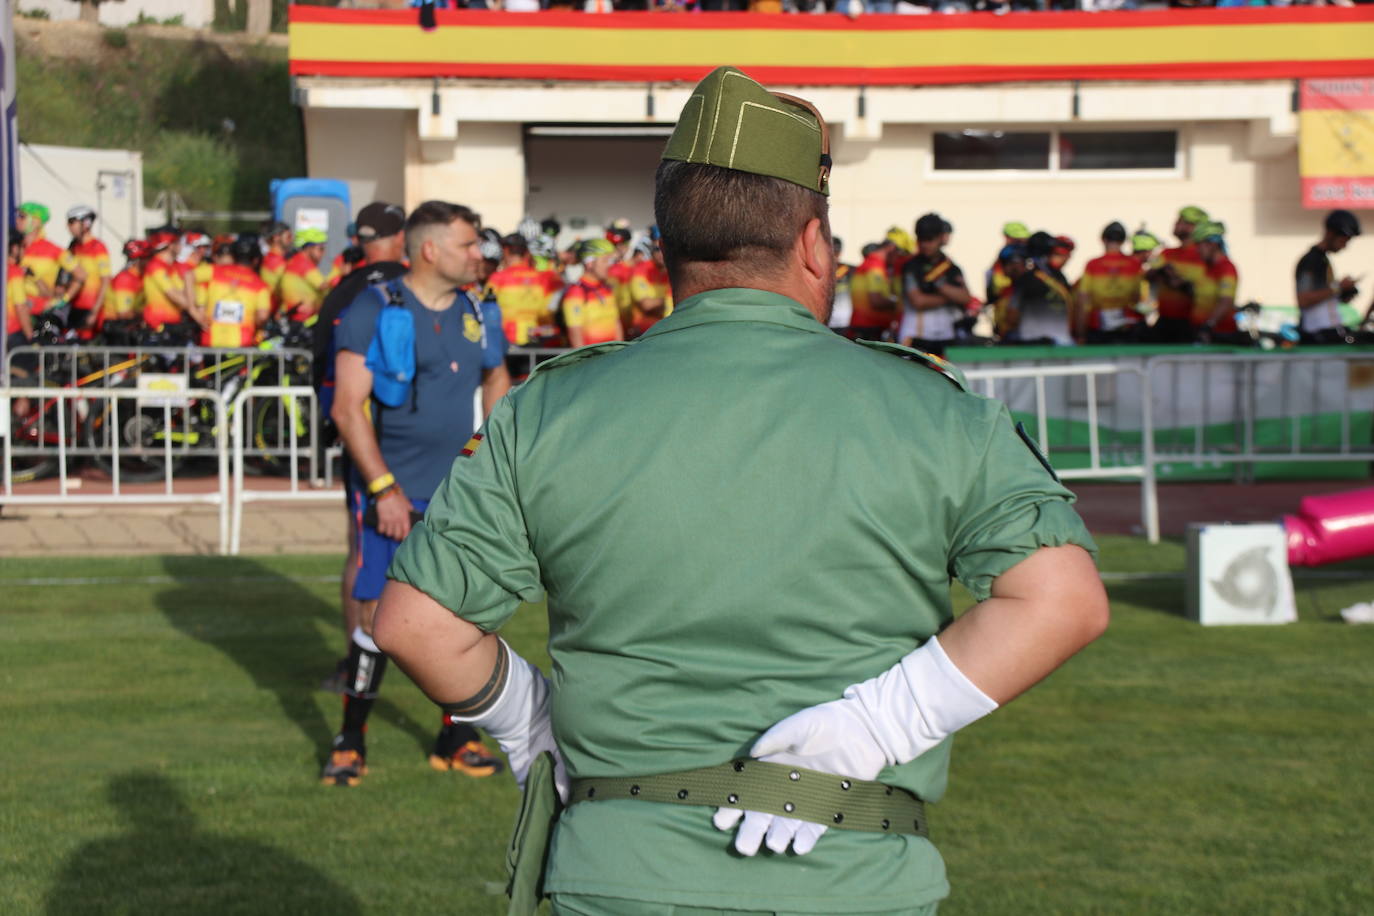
x=587, y=905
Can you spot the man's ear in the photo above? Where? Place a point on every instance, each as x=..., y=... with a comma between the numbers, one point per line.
x=814, y=249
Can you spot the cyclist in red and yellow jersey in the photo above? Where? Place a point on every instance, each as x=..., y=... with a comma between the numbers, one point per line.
x=1108, y=293
x=276, y=237
x=874, y=309
x=1174, y=274
x=43, y=261
x=589, y=308
x=90, y=282
x=525, y=296
x=125, y=299
x=1214, y=300
x=238, y=301
x=303, y=285
x=18, y=322
x=165, y=301
x=622, y=268
x=650, y=295
x=195, y=265
x=1014, y=234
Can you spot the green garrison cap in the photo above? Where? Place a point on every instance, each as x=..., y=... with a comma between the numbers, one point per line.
x=732, y=122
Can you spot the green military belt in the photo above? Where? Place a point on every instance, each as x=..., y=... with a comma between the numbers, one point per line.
x=772, y=788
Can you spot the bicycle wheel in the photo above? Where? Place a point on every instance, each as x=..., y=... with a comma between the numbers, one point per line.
x=32, y=424
x=275, y=423
x=142, y=457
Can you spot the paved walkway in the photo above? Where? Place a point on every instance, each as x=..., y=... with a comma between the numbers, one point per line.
x=320, y=527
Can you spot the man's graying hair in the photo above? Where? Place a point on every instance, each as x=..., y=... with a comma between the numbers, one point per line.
x=733, y=223
x=432, y=214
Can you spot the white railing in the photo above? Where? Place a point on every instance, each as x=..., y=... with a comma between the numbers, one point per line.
x=294, y=403
x=1284, y=391
x=1142, y=470
x=73, y=423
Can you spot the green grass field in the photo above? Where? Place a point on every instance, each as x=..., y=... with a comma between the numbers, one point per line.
x=161, y=736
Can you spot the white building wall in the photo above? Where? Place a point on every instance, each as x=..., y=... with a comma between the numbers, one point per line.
x=196, y=14
x=363, y=147
x=109, y=180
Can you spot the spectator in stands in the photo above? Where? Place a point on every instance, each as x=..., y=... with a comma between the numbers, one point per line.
x=1108, y=293
x=934, y=293
x=1319, y=293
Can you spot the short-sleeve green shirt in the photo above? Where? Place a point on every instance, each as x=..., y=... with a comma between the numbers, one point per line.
x=734, y=517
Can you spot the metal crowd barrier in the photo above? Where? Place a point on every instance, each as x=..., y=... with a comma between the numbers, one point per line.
x=1090, y=373
x=78, y=423
x=108, y=367
x=293, y=402
x=1239, y=409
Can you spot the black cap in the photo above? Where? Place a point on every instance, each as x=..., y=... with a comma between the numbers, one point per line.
x=1342, y=222
x=1040, y=244
x=378, y=220
x=930, y=226
x=245, y=249
x=1115, y=232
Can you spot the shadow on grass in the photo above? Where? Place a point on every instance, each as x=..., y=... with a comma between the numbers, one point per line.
x=285, y=654
x=164, y=863
x=1162, y=595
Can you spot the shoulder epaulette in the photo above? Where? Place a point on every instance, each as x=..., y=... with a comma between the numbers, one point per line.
x=929, y=360
x=576, y=356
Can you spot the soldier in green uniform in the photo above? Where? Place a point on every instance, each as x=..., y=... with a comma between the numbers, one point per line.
x=746, y=527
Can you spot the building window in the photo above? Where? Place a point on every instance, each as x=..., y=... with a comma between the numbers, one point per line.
x=1055, y=150
x=1115, y=149
x=980, y=150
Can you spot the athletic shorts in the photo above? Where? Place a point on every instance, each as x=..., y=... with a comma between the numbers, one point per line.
x=374, y=550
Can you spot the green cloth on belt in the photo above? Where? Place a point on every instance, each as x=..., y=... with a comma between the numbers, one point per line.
x=736, y=516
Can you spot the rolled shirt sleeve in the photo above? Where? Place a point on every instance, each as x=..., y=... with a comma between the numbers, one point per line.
x=472, y=552
x=1014, y=507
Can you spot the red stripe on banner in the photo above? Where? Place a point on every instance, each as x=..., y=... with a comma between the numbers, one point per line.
x=1330, y=193
x=838, y=23
x=837, y=76
x=1353, y=94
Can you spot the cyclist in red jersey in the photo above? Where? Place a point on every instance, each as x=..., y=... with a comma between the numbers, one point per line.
x=238, y=301
x=1214, y=313
x=589, y=308
x=873, y=307
x=650, y=294
x=1108, y=293
x=43, y=261
x=1014, y=233
x=194, y=265
x=303, y=285
x=90, y=282
x=125, y=300
x=622, y=267
x=276, y=241
x=525, y=296
x=165, y=301
x=18, y=322
x=1174, y=275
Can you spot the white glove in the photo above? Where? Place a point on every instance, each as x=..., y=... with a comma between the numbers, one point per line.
x=887, y=720
x=520, y=723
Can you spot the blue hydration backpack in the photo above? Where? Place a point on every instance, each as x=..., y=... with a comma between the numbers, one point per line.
x=391, y=355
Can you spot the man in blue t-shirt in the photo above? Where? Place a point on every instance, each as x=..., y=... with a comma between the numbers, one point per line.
x=399, y=454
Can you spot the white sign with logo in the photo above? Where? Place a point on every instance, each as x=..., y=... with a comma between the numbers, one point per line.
x=166, y=386
x=1238, y=574
x=312, y=218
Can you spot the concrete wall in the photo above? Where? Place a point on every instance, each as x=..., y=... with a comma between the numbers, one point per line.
x=365, y=148
x=196, y=14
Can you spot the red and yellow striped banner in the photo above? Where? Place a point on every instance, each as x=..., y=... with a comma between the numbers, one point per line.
x=1244, y=43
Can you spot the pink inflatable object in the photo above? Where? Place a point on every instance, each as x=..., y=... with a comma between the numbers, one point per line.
x=1331, y=528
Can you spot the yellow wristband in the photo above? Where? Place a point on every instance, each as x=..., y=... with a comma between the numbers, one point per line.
x=381, y=483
